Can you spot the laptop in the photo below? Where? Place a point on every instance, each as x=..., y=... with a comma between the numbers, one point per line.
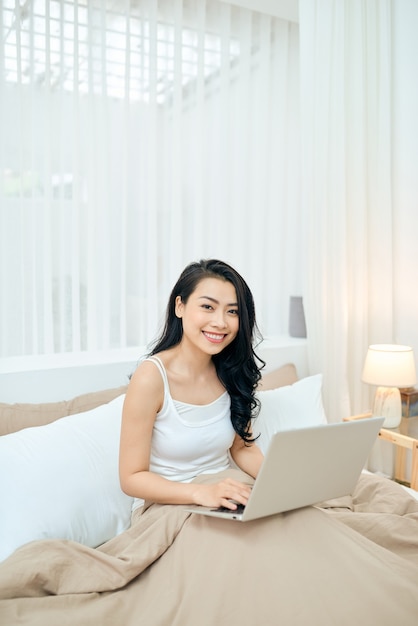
x=306, y=466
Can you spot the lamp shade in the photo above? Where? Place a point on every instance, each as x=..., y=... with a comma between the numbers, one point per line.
x=389, y=365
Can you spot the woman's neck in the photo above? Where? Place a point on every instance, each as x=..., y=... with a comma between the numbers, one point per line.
x=188, y=360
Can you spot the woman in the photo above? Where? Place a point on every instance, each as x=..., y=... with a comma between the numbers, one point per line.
x=190, y=403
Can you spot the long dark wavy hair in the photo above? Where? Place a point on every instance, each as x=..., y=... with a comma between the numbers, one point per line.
x=237, y=365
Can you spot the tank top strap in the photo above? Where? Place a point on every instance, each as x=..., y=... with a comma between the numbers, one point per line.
x=159, y=364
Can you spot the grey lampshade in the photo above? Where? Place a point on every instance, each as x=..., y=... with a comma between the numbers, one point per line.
x=297, y=324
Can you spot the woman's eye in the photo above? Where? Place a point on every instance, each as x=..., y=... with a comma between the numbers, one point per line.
x=207, y=306
x=234, y=311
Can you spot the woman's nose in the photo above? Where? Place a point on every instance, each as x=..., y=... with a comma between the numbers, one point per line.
x=219, y=319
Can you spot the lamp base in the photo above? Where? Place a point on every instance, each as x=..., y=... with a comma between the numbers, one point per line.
x=387, y=403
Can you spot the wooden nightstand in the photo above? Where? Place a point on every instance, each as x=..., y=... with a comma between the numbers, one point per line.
x=405, y=437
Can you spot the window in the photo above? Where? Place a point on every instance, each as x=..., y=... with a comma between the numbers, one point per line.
x=138, y=136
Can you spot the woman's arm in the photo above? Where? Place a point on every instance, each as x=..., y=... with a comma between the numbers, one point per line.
x=144, y=399
x=248, y=457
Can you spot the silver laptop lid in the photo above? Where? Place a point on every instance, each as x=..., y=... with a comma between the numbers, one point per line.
x=306, y=466
x=309, y=465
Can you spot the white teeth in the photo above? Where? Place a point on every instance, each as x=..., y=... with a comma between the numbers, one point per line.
x=213, y=336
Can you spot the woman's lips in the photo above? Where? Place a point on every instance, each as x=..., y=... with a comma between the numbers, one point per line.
x=214, y=337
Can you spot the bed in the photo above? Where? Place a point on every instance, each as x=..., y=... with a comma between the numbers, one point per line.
x=350, y=560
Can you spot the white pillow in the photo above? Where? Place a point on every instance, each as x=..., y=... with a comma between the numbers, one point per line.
x=286, y=408
x=61, y=481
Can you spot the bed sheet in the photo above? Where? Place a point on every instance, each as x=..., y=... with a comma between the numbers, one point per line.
x=350, y=560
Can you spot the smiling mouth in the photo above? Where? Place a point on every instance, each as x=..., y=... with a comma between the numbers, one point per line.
x=214, y=337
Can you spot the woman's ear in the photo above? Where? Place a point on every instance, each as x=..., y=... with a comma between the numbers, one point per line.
x=179, y=307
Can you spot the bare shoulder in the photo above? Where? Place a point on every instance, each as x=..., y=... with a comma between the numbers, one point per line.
x=146, y=386
x=147, y=371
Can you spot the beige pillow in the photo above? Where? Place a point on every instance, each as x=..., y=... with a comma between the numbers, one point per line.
x=14, y=417
x=280, y=377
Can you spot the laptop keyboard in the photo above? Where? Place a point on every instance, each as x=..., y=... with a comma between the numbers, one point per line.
x=223, y=509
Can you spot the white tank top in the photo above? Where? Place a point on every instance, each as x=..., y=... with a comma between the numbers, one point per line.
x=189, y=439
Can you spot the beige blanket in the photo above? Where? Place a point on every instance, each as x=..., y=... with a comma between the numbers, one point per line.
x=353, y=561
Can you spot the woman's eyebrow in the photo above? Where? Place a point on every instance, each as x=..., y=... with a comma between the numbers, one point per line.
x=216, y=301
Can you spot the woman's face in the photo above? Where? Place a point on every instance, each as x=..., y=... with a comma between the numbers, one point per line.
x=210, y=316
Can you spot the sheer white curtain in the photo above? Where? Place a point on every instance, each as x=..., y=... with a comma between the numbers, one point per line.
x=346, y=95
x=136, y=137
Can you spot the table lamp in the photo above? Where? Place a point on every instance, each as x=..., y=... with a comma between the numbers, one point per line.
x=389, y=366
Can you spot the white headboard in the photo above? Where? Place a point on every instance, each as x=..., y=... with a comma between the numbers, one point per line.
x=58, y=377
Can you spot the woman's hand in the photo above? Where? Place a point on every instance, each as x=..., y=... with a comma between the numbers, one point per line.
x=227, y=493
